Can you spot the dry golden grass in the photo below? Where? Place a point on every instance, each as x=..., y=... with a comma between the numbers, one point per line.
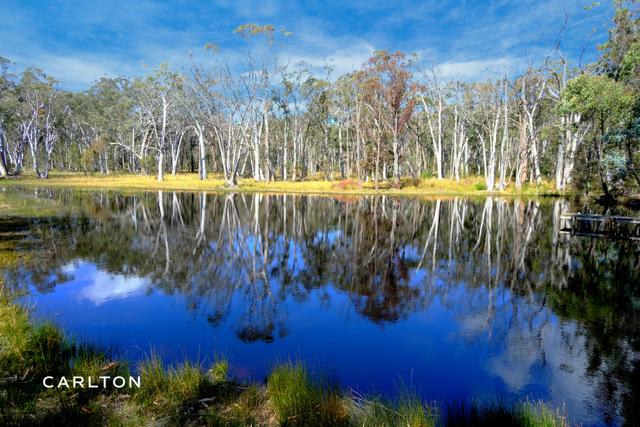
x=473, y=186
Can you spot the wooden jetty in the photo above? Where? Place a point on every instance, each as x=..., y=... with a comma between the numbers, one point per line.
x=592, y=225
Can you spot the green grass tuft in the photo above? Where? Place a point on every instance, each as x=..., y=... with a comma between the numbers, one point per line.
x=171, y=392
x=219, y=372
x=299, y=399
x=407, y=410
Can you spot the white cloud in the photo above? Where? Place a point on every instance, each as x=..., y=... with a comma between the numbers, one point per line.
x=82, y=71
x=103, y=287
x=343, y=60
x=478, y=69
x=560, y=348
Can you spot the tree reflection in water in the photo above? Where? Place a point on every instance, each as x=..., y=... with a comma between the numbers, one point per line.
x=500, y=266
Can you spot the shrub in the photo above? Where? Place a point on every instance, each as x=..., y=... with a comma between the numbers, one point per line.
x=427, y=175
x=411, y=182
x=480, y=186
x=347, y=184
x=148, y=164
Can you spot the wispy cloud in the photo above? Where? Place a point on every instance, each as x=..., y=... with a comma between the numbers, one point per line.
x=78, y=41
x=342, y=60
x=484, y=69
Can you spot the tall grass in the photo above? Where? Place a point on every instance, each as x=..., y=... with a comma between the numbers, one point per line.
x=300, y=399
x=28, y=350
x=407, y=409
x=170, y=391
x=191, y=182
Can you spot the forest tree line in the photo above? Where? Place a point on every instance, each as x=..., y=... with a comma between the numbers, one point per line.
x=256, y=116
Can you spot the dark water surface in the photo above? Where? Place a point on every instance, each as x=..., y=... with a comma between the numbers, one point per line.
x=459, y=299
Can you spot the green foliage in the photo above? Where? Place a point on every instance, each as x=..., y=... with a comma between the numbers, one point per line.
x=148, y=163
x=88, y=158
x=29, y=351
x=480, y=186
x=299, y=399
x=609, y=105
x=630, y=67
x=597, y=97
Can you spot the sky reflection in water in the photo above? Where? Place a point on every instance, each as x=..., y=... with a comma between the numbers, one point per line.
x=457, y=298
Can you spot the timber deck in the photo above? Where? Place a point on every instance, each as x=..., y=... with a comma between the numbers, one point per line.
x=592, y=225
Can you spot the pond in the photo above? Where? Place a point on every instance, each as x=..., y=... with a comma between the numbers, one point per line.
x=456, y=298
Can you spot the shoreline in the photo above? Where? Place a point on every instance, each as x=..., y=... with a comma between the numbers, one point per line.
x=468, y=187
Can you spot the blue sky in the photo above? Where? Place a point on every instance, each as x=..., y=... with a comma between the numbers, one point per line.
x=79, y=41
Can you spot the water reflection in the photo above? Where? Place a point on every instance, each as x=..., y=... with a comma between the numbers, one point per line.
x=468, y=296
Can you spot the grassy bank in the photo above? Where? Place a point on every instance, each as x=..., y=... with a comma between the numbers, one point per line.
x=195, y=394
x=473, y=186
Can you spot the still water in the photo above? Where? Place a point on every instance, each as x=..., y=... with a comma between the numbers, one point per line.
x=459, y=299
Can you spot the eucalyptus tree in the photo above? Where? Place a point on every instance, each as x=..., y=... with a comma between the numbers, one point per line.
x=262, y=68
x=373, y=134
x=353, y=84
x=392, y=78
x=460, y=131
x=155, y=96
x=347, y=105
x=573, y=130
x=244, y=114
x=488, y=114
x=243, y=103
x=102, y=125
x=113, y=97
x=180, y=120
x=605, y=104
x=532, y=91
x=232, y=129
x=620, y=60
x=7, y=113
x=317, y=92
x=202, y=102
x=434, y=104
x=290, y=100
x=38, y=114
